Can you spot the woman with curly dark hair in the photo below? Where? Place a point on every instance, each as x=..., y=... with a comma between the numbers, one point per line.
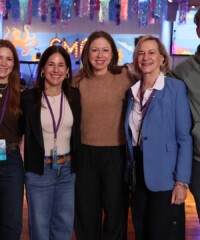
x=50, y=127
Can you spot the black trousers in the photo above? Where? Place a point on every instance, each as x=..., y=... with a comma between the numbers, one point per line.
x=100, y=186
x=154, y=217
x=195, y=183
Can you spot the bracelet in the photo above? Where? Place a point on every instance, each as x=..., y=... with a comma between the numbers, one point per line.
x=184, y=185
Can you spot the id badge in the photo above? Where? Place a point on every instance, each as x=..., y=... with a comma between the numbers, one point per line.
x=3, y=155
x=54, y=156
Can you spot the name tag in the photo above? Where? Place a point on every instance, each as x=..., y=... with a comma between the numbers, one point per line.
x=3, y=155
x=54, y=156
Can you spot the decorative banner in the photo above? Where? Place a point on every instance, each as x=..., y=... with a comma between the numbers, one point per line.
x=183, y=11
x=24, y=11
x=104, y=10
x=84, y=8
x=55, y=11
x=35, y=7
x=15, y=9
x=94, y=6
x=66, y=10
x=135, y=6
x=114, y=11
x=77, y=7
x=160, y=10
x=2, y=7
x=43, y=10
x=152, y=6
x=124, y=10
x=130, y=10
x=143, y=12
x=148, y=11
x=30, y=7
x=8, y=5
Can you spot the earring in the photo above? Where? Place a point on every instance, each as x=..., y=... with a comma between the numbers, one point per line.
x=67, y=75
x=42, y=74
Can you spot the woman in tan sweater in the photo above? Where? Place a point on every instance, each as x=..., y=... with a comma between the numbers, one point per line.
x=100, y=178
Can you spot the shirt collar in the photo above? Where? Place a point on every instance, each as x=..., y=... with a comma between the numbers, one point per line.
x=158, y=85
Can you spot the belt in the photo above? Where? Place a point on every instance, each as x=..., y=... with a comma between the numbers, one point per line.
x=60, y=159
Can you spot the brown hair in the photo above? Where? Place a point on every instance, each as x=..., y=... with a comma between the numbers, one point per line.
x=40, y=81
x=162, y=50
x=13, y=79
x=86, y=70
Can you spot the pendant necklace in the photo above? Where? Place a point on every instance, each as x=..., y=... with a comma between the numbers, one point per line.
x=2, y=89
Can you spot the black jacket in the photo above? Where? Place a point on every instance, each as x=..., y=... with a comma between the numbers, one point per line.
x=30, y=126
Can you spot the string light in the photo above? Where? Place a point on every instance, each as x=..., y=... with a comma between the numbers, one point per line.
x=55, y=40
x=82, y=43
x=71, y=49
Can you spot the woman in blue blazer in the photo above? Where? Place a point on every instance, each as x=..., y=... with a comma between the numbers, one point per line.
x=157, y=126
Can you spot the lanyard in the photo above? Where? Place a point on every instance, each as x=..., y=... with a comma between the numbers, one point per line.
x=144, y=108
x=55, y=127
x=4, y=105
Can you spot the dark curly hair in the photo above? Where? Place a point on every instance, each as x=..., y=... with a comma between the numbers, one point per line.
x=40, y=82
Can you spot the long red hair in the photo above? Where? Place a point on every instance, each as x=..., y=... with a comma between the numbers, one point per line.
x=13, y=79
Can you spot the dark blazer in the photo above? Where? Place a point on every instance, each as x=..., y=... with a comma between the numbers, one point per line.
x=30, y=126
x=167, y=143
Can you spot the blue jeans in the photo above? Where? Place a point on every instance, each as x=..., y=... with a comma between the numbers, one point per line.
x=11, y=196
x=51, y=203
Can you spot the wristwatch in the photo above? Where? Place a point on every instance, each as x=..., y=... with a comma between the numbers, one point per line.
x=181, y=184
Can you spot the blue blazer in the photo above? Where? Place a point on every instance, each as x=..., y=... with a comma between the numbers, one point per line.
x=167, y=143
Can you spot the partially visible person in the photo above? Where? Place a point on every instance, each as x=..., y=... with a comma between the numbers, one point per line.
x=157, y=126
x=11, y=165
x=100, y=181
x=189, y=72
x=50, y=124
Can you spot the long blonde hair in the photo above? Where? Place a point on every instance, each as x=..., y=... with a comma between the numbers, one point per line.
x=165, y=66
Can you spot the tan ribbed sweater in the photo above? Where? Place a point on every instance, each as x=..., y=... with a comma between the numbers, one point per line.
x=102, y=101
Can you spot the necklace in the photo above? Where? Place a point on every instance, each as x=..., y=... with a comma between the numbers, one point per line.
x=2, y=89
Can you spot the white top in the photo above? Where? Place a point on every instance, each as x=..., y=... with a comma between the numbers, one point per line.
x=135, y=118
x=65, y=128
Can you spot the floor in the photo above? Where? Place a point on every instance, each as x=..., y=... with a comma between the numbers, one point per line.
x=192, y=223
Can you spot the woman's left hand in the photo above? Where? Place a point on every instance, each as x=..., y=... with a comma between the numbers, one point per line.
x=179, y=193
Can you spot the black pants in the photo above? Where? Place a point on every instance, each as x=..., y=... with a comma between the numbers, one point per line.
x=154, y=217
x=195, y=183
x=100, y=185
